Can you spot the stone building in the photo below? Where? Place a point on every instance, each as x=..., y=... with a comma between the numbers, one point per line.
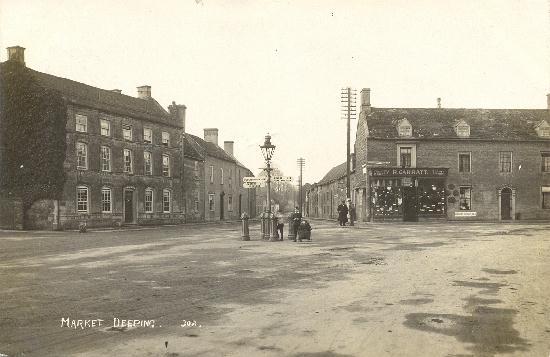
x=221, y=174
x=124, y=158
x=452, y=164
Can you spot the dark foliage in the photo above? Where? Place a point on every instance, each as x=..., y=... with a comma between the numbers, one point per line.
x=32, y=136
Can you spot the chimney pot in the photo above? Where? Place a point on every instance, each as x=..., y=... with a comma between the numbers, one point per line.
x=17, y=54
x=228, y=147
x=178, y=113
x=211, y=135
x=144, y=92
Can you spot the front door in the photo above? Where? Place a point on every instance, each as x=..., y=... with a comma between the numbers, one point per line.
x=410, y=204
x=240, y=204
x=506, y=204
x=221, y=206
x=128, y=206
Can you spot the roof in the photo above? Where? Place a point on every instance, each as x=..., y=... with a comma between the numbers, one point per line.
x=192, y=149
x=503, y=124
x=106, y=100
x=211, y=149
x=336, y=173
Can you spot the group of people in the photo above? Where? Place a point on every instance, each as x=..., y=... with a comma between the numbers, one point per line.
x=297, y=218
x=344, y=213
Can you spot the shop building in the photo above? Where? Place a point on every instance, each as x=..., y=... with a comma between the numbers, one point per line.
x=452, y=164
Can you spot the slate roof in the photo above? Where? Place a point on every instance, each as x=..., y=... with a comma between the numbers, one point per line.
x=106, y=100
x=503, y=124
x=192, y=149
x=211, y=149
x=336, y=173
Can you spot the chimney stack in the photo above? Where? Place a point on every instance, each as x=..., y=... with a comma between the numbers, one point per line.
x=439, y=102
x=365, y=99
x=144, y=92
x=17, y=54
x=178, y=113
x=211, y=135
x=228, y=147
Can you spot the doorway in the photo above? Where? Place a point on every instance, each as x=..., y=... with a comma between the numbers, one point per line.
x=506, y=204
x=410, y=199
x=128, y=206
x=240, y=204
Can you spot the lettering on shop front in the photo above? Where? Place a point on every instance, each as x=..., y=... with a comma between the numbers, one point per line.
x=409, y=172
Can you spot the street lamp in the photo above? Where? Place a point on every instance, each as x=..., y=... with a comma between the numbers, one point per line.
x=268, y=150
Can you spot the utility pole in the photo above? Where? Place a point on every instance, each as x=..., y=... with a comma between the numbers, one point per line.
x=348, y=99
x=301, y=163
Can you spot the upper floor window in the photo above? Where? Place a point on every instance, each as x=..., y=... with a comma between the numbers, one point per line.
x=197, y=198
x=105, y=158
x=81, y=123
x=211, y=201
x=81, y=156
x=148, y=200
x=105, y=127
x=165, y=165
x=106, y=206
x=147, y=163
x=166, y=201
x=230, y=178
x=211, y=174
x=505, y=161
x=82, y=199
x=221, y=175
x=127, y=132
x=404, y=128
x=165, y=138
x=128, y=161
x=148, y=135
x=545, y=161
x=544, y=132
x=464, y=162
x=405, y=154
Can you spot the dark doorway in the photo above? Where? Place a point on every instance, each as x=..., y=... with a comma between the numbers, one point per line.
x=506, y=204
x=410, y=213
x=128, y=206
x=240, y=204
x=221, y=206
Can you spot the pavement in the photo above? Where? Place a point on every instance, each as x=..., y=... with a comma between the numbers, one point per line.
x=455, y=289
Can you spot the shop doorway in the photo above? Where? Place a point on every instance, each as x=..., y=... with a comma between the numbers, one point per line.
x=410, y=199
x=128, y=206
x=221, y=206
x=506, y=204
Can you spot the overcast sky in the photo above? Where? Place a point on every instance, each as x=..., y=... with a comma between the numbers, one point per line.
x=252, y=67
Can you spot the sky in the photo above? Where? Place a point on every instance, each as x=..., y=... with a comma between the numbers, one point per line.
x=253, y=67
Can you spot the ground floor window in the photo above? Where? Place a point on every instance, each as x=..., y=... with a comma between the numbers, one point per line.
x=82, y=199
x=230, y=203
x=166, y=201
x=197, y=201
x=149, y=200
x=211, y=201
x=465, y=203
x=546, y=197
x=106, y=200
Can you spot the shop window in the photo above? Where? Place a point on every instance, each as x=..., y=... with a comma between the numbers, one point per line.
x=464, y=162
x=545, y=161
x=465, y=198
x=505, y=161
x=431, y=197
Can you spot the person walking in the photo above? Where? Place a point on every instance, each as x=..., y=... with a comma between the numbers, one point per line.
x=280, y=224
x=297, y=219
x=342, y=213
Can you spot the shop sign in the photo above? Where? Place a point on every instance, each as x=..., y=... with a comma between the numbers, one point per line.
x=408, y=172
x=465, y=214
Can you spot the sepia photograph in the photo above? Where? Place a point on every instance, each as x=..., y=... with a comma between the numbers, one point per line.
x=275, y=178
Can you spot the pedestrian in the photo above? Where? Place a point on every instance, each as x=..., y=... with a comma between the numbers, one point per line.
x=280, y=224
x=342, y=213
x=296, y=220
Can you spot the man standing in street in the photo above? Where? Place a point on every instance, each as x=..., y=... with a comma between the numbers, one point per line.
x=342, y=213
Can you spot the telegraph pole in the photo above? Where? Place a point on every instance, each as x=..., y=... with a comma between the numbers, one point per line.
x=348, y=99
x=301, y=163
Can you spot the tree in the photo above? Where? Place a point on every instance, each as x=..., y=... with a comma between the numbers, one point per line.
x=32, y=137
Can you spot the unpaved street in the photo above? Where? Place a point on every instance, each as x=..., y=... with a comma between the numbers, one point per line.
x=374, y=290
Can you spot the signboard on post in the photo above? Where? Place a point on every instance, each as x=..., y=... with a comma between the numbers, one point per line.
x=254, y=179
x=250, y=185
x=282, y=178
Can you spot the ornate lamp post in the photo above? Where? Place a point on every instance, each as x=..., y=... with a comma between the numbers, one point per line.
x=268, y=150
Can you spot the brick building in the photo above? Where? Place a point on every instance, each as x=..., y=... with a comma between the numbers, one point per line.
x=452, y=164
x=222, y=196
